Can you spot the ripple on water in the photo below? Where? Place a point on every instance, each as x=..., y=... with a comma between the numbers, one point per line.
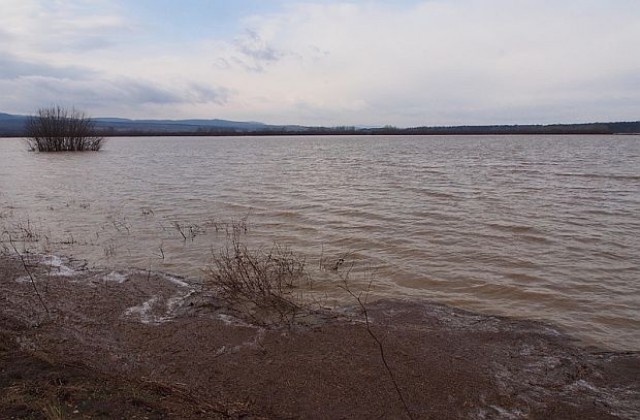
x=531, y=226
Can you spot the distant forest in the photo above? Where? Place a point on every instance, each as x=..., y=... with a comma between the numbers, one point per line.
x=593, y=128
x=13, y=126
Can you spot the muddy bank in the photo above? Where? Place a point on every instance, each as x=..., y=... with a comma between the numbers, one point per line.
x=144, y=344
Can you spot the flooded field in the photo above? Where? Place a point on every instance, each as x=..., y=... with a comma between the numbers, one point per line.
x=535, y=227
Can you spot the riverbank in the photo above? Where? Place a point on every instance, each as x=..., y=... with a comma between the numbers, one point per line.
x=140, y=344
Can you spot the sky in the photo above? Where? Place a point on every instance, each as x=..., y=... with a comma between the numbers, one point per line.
x=325, y=62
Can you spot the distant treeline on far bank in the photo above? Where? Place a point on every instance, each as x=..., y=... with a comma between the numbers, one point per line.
x=594, y=128
x=13, y=126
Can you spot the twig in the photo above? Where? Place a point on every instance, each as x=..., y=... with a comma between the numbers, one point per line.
x=379, y=343
x=33, y=281
x=180, y=229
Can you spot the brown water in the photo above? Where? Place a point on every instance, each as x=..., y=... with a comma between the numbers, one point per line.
x=529, y=226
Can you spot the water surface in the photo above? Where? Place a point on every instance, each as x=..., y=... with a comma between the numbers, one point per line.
x=542, y=227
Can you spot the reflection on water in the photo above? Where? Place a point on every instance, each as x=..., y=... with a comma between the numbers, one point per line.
x=538, y=227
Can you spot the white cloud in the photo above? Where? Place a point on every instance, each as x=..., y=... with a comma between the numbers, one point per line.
x=334, y=63
x=49, y=29
x=445, y=62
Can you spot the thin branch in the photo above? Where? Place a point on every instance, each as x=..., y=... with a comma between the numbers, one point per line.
x=375, y=338
x=31, y=277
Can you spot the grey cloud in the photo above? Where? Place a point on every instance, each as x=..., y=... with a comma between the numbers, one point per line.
x=255, y=47
x=138, y=92
x=88, y=43
x=12, y=68
x=198, y=93
x=254, y=52
x=103, y=94
x=142, y=92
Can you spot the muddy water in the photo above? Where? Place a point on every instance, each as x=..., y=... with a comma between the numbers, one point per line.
x=535, y=227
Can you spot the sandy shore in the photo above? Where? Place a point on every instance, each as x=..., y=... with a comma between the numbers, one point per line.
x=134, y=344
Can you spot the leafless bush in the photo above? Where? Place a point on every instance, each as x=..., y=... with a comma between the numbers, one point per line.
x=261, y=282
x=57, y=129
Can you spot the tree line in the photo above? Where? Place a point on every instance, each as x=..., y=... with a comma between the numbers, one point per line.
x=59, y=129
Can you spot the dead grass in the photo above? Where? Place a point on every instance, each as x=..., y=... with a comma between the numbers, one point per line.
x=44, y=388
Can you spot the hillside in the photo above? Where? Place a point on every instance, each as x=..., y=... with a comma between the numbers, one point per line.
x=13, y=126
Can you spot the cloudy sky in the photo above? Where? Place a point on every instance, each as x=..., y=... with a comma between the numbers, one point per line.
x=325, y=62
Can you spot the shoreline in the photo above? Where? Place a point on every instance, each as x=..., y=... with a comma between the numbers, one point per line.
x=152, y=344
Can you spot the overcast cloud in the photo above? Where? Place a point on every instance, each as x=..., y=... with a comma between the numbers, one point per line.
x=405, y=63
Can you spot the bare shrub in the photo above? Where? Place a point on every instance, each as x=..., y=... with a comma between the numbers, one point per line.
x=57, y=129
x=261, y=282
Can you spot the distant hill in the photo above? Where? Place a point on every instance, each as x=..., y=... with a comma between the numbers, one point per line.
x=13, y=126
x=116, y=126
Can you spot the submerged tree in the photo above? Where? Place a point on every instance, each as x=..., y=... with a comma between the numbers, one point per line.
x=57, y=129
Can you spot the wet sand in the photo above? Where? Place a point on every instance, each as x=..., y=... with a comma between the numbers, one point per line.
x=140, y=344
